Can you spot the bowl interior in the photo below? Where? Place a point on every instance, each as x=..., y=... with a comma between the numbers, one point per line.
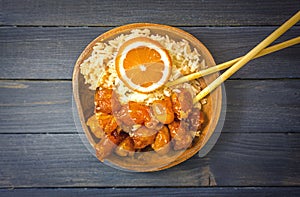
x=148, y=161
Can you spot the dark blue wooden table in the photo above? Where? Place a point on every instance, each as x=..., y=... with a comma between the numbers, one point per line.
x=41, y=154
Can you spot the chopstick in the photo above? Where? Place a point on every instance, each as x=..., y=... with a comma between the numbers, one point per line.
x=225, y=65
x=245, y=59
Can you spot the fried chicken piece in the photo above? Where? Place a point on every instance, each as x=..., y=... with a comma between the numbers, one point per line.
x=94, y=126
x=107, y=122
x=162, y=141
x=108, y=143
x=182, y=103
x=143, y=137
x=163, y=110
x=196, y=120
x=133, y=113
x=102, y=100
x=182, y=139
x=125, y=148
x=104, y=148
x=123, y=117
x=138, y=112
x=115, y=102
x=153, y=123
x=117, y=136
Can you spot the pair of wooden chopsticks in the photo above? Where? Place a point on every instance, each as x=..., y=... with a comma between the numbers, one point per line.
x=236, y=64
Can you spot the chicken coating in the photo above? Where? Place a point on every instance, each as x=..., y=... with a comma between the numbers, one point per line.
x=95, y=127
x=180, y=137
x=104, y=148
x=117, y=136
x=139, y=113
x=161, y=143
x=182, y=102
x=106, y=122
x=125, y=148
x=123, y=117
x=102, y=100
x=115, y=102
x=108, y=143
x=153, y=123
x=196, y=120
x=133, y=113
x=143, y=137
x=163, y=110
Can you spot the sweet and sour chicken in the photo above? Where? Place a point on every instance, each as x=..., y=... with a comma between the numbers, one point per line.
x=164, y=125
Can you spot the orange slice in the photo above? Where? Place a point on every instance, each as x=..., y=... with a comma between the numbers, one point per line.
x=143, y=64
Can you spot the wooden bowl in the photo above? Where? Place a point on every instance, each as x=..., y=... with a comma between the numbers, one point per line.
x=148, y=161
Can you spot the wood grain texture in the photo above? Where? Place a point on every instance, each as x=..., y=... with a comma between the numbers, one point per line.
x=36, y=107
x=112, y=13
x=204, y=191
x=252, y=106
x=61, y=160
x=50, y=53
x=41, y=153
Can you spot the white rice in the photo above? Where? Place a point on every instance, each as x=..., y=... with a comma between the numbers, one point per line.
x=99, y=68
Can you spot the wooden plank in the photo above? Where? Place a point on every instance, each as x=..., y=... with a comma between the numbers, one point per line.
x=238, y=159
x=42, y=53
x=187, y=13
x=252, y=106
x=50, y=53
x=36, y=107
x=203, y=191
x=262, y=106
